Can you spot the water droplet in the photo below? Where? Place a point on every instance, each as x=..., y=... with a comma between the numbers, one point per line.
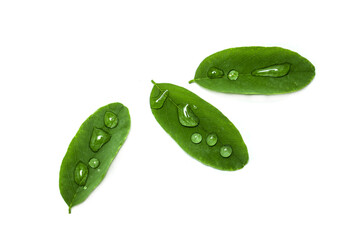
x=226, y=151
x=194, y=107
x=233, y=75
x=159, y=101
x=94, y=163
x=98, y=139
x=81, y=174
x=196, y=138
x=278, y=70
x=215, y=73
x=186, y=116
x=85, y=187
x=110, y=120
x=211, y=139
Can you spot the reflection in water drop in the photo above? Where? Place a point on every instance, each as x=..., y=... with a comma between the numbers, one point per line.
x=196, y=138
x=110, y=120
x=278, y=70
x=81, y=174
x=186, y=116
x=98, y=139
x=215, y=73
x=225, y=151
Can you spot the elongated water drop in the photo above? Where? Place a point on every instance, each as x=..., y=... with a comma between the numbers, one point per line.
x=159, y=101
x=186, y=116
x=233, y=75
x=225, y=151
x=94, y=163
x=215, y=73
x=98, y=139
x=196, y=138
x=211, y=139
x=278, y=70
x=81, y=174
x=110, y=119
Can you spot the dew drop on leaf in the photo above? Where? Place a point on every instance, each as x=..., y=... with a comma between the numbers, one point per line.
x=196, y=138
x=110, y=119
x=211, y=139
x=215, y=73
x=98, y=139
x=81, y=174
x=225, y=151
x=278, y=70
x=186, y=116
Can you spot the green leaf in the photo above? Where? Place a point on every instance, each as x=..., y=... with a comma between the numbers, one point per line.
x=91, y=152
x=207, y=135
x=255, y=70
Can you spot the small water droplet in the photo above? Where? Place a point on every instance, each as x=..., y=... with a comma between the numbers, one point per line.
x=85, y=187
x=215, y=73
x=196, y=138
x=94, y=163
x=186, y=116
x=278, y=70
x=110, y=119
x=158, y=102
x=225, y=151
x=81, y=174
x=98, y=139
x=194, y=107
x=211, y=139
x=233, y=75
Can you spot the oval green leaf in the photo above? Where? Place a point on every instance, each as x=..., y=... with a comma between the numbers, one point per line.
x=217, y=130
x=255, y=70
x=91, y=152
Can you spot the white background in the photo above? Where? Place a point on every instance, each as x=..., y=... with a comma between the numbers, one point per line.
x=62, y=60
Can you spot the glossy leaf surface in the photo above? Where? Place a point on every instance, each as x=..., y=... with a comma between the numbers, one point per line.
x=255, y=70
x=215, y=129
x=91, y=152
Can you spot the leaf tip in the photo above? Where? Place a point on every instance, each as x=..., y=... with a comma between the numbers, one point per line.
x=192, y=81
x=153, y=82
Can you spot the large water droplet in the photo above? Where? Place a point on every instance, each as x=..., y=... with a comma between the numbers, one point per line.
x=278, y=70
x=186, y=116
x=211, y=139
x=81, y=174
x=215, y=73
x=94, y=163
x=158, y=102
x=196, y=138
x=226, y=151
x=233, y=75
x=110, y=120
x=98, y=139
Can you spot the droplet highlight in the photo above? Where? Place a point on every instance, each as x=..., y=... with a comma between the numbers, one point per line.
x=94, y=163
x=159, y=101
x=215, y=73
x=211, y=139
x=233, y=75
x=110, y=120
x=186, y=116
x=225, y=151
x=278, y=70
x=81, y=174
x=98, y=138
x=196, y=138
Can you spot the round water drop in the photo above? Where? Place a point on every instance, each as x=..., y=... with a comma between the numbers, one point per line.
x=196, y=138
x=211, y=139
x=81, y=174
x=110, y=120
x=215, y=73
x=233, y=75
x=158, y=102
x=226, y=151
x=94, y=163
